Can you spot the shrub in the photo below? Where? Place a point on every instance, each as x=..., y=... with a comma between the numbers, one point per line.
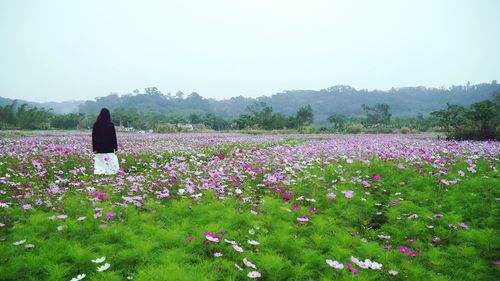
x=354, y=129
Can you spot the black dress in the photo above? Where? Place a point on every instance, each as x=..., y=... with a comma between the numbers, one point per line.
x=104, y=138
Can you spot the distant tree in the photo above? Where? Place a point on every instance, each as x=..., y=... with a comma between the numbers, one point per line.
x=263, y=114
x=179, y=95
x=215, y=122
x=195, y=118
x=451, y=118
x=480, y=122
x=378, y=114
x=338, y=121
x=152, y=91
x=304, y=116
x=485, y=116
x=244, y=121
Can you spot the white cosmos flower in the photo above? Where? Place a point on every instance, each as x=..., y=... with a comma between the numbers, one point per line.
x=393, y=272
x=230, y=242
x=248, y=263
x=376, y=266
x=213, y=239
x=99, y=260
x=237, y=248
x=20, y=242
x=78, y=277
x=238, y=267
x=253, y=242
x=104, y=267
x=217, y=254
x=253, y=274
x=335, y=264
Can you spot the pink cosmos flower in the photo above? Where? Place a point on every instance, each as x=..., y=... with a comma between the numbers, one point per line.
x=212, y=237
x=254, y=274
x=404, y=249
x=237, y=248
x=189, y=239
x=296, y=206
x=110, y=215
x=335, y=264
x=313, y=210
x=331, y=195
x=27, y=206
x=413, y=254
x=366, y=184
x=351, y=268
x=249, y=264
x=376, y=177
x=464, y=226
x=286, y=196
x=348, y=193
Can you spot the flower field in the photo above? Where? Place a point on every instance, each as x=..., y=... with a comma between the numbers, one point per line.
x=240, y=207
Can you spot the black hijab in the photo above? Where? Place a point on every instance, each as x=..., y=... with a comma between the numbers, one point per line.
x=104, y=118
x=103, y=133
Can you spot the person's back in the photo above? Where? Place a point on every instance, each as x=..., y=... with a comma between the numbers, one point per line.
x=104, y=138
x=104, y=144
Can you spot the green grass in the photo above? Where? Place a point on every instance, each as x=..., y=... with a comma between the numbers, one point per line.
x=149, y=243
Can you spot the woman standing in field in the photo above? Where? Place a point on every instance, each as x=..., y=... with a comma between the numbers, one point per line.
x=104, y=145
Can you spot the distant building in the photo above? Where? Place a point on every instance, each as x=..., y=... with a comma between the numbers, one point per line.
x=187, y=127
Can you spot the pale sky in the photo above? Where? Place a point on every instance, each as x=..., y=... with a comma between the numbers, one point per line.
x=77, y=50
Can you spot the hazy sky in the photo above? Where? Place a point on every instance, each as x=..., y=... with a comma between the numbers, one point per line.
x=67, y=50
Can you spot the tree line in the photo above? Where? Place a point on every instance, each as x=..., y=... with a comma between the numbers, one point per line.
x=345, y=100
x=479, y=121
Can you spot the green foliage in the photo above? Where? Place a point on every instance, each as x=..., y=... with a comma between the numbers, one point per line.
x=377, y=115
x=481, y=121
x=304, y=116
x=149, y=243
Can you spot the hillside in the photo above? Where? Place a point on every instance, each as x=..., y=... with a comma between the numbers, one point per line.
x=405, y=101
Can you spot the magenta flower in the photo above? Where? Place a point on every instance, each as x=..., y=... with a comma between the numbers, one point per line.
x=404, y=249
x=110, y=215
x=351, y=268
x=376, y=177
x=286, y=196
x=189, y=239
x=413, y=254
x=312, y=210
x=296, y=206
x=212, y=237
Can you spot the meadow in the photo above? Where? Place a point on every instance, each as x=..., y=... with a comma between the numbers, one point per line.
x=241, y=207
